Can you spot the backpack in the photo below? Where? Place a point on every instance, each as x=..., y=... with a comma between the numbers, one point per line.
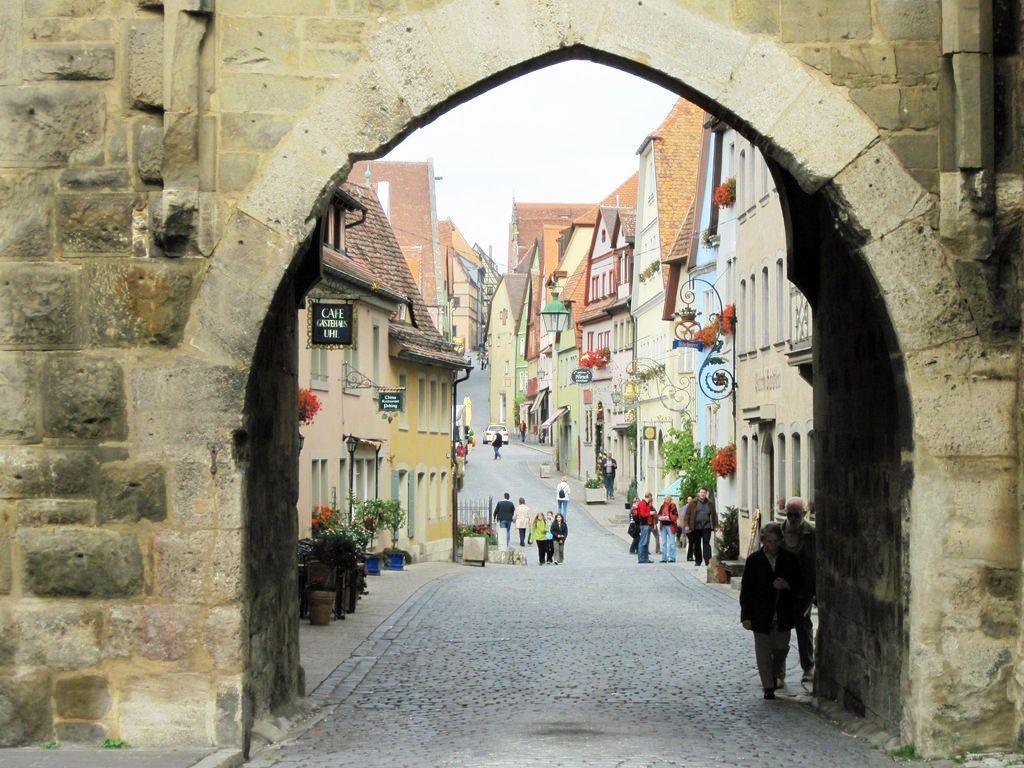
x=561, y=493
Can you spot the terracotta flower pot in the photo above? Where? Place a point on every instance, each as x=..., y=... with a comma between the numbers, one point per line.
x=321, y=606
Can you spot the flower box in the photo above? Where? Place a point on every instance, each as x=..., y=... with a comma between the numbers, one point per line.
x=474, y=550
x=595, y=495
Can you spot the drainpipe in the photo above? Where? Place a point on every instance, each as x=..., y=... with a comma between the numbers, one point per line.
x=451, y=439
x=636, y=448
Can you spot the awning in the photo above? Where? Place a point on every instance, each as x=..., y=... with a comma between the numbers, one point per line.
x=555, y=417
x=621, y=426
x=539, y=399
x=673, y=490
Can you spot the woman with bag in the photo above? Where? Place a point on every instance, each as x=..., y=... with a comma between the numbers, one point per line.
x=559, y=532
x=668, y=520
x=522, y=520
x=539, y=532
x=550, y=549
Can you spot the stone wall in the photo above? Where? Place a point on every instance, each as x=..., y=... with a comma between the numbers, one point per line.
x=160, y=164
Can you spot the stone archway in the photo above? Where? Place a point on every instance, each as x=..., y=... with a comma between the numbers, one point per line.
x=190, y=407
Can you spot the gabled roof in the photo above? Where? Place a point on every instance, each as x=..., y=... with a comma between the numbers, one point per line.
x=528, y=220
x=371, y=250
x=515, y=284
x=623, y=195
x=628, y=219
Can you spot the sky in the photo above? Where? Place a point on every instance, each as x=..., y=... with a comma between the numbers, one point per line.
x=565, y=133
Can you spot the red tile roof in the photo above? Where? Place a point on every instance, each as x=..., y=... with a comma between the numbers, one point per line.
x=528, y=220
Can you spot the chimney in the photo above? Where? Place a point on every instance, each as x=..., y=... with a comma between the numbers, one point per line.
x=616, y=198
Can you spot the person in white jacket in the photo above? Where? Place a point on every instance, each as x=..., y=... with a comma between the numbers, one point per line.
x=562, y=493
x=522, y=520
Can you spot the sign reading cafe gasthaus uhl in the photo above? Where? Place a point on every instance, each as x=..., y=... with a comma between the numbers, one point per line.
x=329, y=324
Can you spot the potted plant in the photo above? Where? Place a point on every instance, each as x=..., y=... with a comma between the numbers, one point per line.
x=309, y=406
x=724, y=195
x=724, y=462
x=594, y=492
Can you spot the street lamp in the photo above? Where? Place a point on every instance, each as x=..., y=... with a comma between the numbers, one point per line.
x=351, y=443
x=555, y=316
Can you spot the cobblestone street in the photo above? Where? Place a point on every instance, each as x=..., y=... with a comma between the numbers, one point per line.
x=597, y=662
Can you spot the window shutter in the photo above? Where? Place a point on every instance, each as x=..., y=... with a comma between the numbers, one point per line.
x=411, y=521
x=395, y=495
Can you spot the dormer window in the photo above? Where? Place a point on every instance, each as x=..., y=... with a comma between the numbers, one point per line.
x=334, y=227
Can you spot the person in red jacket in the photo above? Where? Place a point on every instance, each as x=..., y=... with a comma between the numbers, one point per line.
x=645, y=519
x=668, y=521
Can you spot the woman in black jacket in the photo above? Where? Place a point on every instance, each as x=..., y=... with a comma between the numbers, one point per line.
x=559, y=531
x=771, y=578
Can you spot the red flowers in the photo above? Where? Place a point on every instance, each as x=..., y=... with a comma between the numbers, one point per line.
x=708, y=335
x=723, y=463
x=596, y=358
x=729, y=319
x=309, y=406
x=324, y=518
x=725, y=194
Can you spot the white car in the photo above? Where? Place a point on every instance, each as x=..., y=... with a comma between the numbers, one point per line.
x=496, y=429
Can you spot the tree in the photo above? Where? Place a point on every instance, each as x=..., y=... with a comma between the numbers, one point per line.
x=692, y=463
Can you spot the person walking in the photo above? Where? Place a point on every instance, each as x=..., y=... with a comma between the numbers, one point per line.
x=771, y=580
x=680, y=532
x=504, y=512
x=521, y=519
x=610, y=467
x=522, y=431
x=539, y=532
x=701, y=519
x=549, y=518
x=668, y=520
x=645, y=517
x=798, y=537
x=496, y=443
x=634, y=527
x=562, y=492
x=559, y=532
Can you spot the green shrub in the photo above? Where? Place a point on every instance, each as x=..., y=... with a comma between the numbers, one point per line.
x=114, y=744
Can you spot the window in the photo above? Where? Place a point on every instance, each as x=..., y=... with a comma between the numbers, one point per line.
x=376, y=354
x=741, y=307
x=319, y=373
x=455, y=331
x=755, y=460
x=766, y=184
x=782, y=466
x=433, y=502
x=590, y=341
x=744, y=461
x=780, y=302
x=796, y=463
x=432, y=418
x=810, y=467
x=403, y=415
x=765, y=314
x=445, y=408
x=752, y=327
x=588, y=430
x=351, y=358
x=318, y=482
x=751, y=174
x=343, y=483
x=421, y=411
x=455, y=301
x=358, y=479
x=741, y=181
x=422, y=501
x=444, y=495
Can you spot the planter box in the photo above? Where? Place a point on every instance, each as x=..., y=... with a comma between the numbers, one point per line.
x=545, y=470
x=595, y=495
x=474, y=550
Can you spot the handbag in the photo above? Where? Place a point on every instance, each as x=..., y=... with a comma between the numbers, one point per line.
x=548, y=536
x=633, y=530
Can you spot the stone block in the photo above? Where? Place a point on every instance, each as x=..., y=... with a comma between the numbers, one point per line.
x=82, y=698
x=19, y=397
x=967, y=26
x=10, y=42
x=46, y=512
x=80, y=733
x=96, y=223
x=756, y=15
x=181, y=150
x=132, y=492
x=38, y=306
x=182, y=562
x=84, y=398
x=229, y=711
x=167, y=710
x=863, y=64
x=254, y=45
x=94, y=178
x=68, y=62
x=252, y=92
x=25, y=716
x=881, y=104
x=154, y=632
x=274, y=7
x=131, y=302
x=975, y=110
x=145, y=54
x=29, y=472
x=908, y=19
x=235, y=170
x=81, y=563
x=148, y=149
x=248, y=131
x=423, y=81
x=202, y=500
x=917, y=63
x=224, y=635
x=919, y=107
x=916, y=150
x=58, y=637
x=60, y=30
x=26, y=220
x=51, y=125
x=803, y=21
x=117, y=142
x=76, y=8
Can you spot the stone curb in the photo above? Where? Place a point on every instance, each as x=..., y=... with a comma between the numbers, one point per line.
x=224, y=758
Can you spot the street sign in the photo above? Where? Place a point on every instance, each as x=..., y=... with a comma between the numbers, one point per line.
x=582, y=376
x=329, y=324
x=390, y=400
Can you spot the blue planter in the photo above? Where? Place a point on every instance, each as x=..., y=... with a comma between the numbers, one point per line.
x=396, y=562
x=373, y=565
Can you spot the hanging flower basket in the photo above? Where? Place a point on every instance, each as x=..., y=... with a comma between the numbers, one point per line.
x=309, y=406
x=729, y=319
x=723, y=463
x=708, y=335
x=596, y=358
x=724, y=195
x=709, y=238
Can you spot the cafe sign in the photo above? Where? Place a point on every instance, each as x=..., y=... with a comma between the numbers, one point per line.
x=390, y=400
x=582, y=376
x=329, y=324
